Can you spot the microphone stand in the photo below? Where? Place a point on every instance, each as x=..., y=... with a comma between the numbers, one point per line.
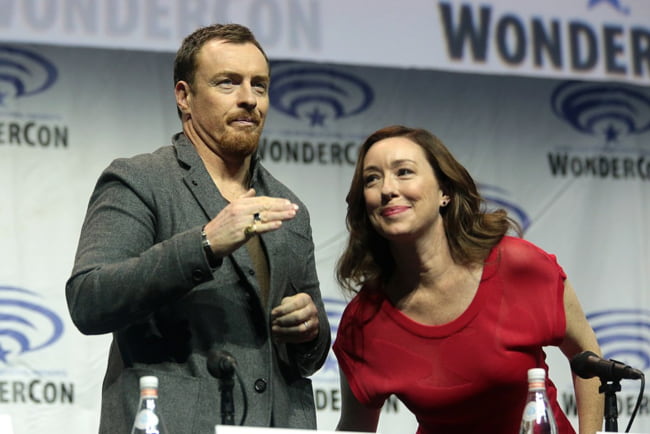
x=226, y=384
x=221, y=365
x=609, y=388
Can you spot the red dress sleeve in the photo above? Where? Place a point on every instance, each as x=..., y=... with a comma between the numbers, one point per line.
x=351, y=349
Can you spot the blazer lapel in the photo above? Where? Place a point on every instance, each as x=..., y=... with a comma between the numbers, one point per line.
x=197, y=178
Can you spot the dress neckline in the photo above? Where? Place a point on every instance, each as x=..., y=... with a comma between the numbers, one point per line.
x=437, y=331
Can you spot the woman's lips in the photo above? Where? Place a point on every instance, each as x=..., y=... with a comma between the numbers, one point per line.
x=392, y=210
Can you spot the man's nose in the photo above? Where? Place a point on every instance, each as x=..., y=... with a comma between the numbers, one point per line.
x=246, y=96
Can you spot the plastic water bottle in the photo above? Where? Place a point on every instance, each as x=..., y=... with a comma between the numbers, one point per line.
x=538, y=416
x=148, y=420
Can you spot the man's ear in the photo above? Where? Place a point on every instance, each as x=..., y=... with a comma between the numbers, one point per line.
x=183, y=95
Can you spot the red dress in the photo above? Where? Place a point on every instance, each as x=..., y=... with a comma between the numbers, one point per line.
x=469, y=375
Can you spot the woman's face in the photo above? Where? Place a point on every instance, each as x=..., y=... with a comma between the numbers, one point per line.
x=401, y=192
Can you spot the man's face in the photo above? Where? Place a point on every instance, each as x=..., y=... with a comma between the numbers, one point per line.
x=228, y=101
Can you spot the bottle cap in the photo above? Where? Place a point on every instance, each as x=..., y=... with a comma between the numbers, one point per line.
x=148, y=382
x=536, y=374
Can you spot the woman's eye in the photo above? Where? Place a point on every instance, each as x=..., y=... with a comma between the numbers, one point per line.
x=369, y=179
x=404, y=171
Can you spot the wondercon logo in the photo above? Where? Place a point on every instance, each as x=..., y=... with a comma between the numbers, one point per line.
x=26, y=325
x=24, y=73
x=318, y=94
x=607, y=110
x=496, y=197
x=623, y=335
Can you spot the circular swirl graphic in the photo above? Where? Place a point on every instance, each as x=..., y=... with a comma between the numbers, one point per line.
x=494, y=198
x=24, y=73
x=25, y=324
x=616, y=4
x=318, y=93
x=334, y=309
x=623, y=335
x=608, y=110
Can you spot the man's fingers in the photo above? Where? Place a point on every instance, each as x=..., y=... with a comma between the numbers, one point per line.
x=249, y=193
x=294, y=309
x=302, y=332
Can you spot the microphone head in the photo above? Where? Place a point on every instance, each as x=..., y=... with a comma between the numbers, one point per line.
x=580, y=364
x=221, y=364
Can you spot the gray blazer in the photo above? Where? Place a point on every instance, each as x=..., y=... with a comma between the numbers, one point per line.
x=140, y=273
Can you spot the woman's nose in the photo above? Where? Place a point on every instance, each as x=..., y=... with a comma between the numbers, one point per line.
x=388, y=188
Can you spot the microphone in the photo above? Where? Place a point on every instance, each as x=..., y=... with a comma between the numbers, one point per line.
x=588, y=364
x=221, y=365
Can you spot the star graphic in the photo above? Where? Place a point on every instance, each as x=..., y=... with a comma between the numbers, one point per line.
x=317, y=117
x=611, y=134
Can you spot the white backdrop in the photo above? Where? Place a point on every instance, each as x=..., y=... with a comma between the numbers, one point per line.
x=585, y=39
x=570, y=160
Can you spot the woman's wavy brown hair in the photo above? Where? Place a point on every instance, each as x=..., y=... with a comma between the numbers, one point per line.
x=471, y=230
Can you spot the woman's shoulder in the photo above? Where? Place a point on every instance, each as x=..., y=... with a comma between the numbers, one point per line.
x=519, y=247
x=517, y=254
x=365, y=304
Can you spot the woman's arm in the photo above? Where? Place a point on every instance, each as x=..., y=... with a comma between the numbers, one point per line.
x=581, y=337
x=354, y=415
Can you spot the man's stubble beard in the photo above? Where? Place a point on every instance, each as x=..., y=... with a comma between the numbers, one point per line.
x=240, y=144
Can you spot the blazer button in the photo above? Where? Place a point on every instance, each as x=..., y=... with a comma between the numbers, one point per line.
x=260, y=385
x=197, y=275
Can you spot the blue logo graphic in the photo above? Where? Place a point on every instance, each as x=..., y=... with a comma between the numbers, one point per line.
x=26, y=325
x=334, y=309
x=623, y=335
x=608, y=110
x=616, y=4
x=495, y=198
x=317, y=93
x=24, y=73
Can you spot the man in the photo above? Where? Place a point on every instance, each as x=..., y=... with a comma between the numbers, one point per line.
x=196, y=248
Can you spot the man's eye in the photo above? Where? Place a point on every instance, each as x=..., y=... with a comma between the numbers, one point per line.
x=225, y=83
x=260, y=88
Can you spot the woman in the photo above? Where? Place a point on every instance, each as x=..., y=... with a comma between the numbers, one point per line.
x=451, y=311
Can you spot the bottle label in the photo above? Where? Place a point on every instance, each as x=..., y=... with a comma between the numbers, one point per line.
x=146, y=419
x=530, y=412
x=536, y=420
